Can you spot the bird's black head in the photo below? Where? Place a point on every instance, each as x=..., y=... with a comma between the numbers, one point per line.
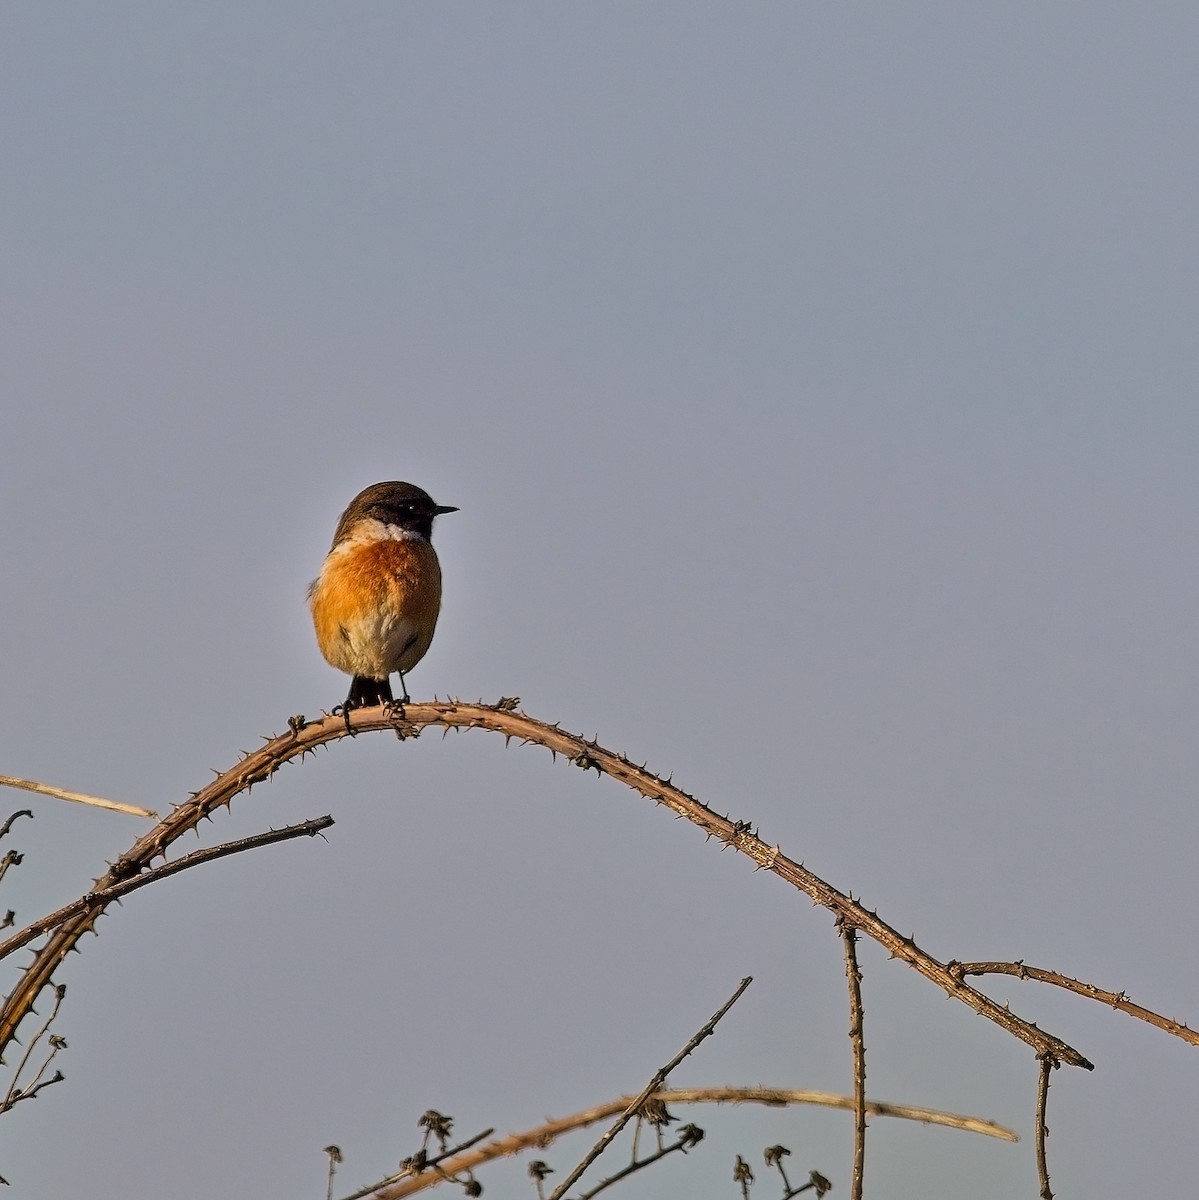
x=401, y=504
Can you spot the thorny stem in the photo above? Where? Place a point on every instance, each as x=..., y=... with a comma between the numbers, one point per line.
x=1116, y=1000
x=849, y=938
x=1048, y=1063
x=304, y=736
x=407, y=721
x=737, y=835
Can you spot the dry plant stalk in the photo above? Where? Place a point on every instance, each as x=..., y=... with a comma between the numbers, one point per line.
x=544, y=1135
x=45, y=789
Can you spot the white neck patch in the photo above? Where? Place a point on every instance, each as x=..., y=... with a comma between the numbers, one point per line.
x=372, y=530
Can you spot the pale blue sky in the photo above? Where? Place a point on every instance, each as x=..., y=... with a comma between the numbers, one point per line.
x=818, y=385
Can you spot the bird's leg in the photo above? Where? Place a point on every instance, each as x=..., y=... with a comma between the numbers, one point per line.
x=391, y=705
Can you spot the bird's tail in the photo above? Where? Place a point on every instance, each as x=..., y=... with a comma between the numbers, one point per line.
x=365, y=692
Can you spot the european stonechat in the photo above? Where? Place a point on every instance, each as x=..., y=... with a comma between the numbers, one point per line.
x=376, y=600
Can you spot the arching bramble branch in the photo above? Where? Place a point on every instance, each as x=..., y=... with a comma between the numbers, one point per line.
x=304, y=736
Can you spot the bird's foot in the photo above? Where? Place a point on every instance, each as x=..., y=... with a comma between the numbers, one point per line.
x=343, y=711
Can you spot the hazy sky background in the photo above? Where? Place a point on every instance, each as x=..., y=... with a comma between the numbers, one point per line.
x=818, y=385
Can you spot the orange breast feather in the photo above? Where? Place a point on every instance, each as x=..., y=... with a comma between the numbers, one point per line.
x=375, y=605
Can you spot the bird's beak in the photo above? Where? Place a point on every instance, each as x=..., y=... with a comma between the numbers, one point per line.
x=444, y=508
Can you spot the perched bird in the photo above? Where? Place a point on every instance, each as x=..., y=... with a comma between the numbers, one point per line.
x=376, y=600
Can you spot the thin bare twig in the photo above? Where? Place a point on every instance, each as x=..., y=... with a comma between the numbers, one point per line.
x=849, y=939
x=427, y=1165
x=10, y=858
x=45, y=789
x=16, y=1092
x=334, y=1153
x=743, y=1174
x=689, y=1136
x=773, y=1156
x=817, y=1183
x=1116, y=1000
x=28, y=1093
x=7, y=826
x=637, y=1135
x=1048, y=1063
x=104, y=896
x=650, y=1088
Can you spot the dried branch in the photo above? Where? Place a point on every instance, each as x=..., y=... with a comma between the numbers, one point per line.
x=304, y=736
x=421, y=1167
x=1048, y=1063
x=743, y=1174
x=544, y=1135
x=1116, y=1000
x=104, y=896
x=335, y=1157
x=849, y=939
x=28, y=1093
x=650, y=1088
x=689, y=1136
x=6, y=828
x=538, y=1172
x=10, y=858
x=773, y=1156
x=45, y=789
